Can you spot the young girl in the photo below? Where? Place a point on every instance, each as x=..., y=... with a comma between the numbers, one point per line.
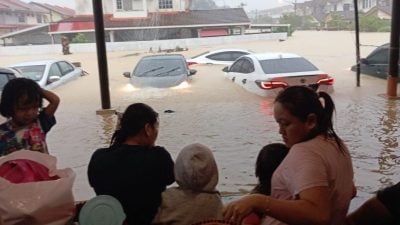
x=28, y=122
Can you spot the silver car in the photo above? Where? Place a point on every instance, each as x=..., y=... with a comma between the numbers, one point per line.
x=7, y=74
x=160, y=71
x=49, y=73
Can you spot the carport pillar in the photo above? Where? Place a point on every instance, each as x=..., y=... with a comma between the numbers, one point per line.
x=394, y=51
x=101, y=55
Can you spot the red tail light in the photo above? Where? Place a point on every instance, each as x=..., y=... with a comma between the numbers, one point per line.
x=326, y=81
x=191, y=63
x=272, y=84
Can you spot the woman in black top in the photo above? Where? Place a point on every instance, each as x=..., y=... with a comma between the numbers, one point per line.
x=133, y=169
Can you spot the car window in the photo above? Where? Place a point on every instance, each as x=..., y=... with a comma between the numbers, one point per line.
x=236, y=66
x=159, y=67
x=54, y=71
x=65, y=67
x=286, y=65
x=379, y=57
x=222, y=56
x=236, y=55
x=247, y=66
x=4, y=78
x=200, y=54
x=34, y=72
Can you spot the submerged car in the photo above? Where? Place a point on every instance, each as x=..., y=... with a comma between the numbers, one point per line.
x=376, y=63
x=7, y=74
x=266, y=74
x=220, y=57
x=49, y=73
x=160, y=71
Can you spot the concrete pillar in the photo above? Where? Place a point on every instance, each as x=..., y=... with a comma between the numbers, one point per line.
x=112, y=38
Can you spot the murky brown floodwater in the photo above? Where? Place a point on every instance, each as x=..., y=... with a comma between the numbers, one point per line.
x=233, y=122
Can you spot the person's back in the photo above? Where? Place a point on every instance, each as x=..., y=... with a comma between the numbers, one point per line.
x=133, y=169
x=196, y=199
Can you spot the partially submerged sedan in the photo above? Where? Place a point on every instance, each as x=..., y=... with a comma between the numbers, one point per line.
x=266, y=74
x=219, y=57
x=160, y=71
x=49, y=73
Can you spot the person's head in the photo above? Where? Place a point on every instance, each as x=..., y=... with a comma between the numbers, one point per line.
x=21, y=100
x=196, y=169
x=302, y=114
x=268, y=159
x=140, y=121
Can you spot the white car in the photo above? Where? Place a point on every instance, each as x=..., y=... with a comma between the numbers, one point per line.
x=219, y=57
x=266, y=74
x=49, y=73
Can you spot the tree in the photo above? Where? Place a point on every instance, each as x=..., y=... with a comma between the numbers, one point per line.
x=374, y=24
x=80, y=38
x=338, y=22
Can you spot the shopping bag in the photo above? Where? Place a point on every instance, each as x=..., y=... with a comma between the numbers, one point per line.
x=48, y=202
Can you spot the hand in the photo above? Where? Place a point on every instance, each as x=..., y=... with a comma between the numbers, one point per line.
x=237, y=210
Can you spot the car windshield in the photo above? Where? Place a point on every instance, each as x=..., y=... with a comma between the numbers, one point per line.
x=286, y=65
x=34, y=72
x=159, y=67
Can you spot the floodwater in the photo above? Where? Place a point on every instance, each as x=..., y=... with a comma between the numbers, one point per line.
x=234, y=123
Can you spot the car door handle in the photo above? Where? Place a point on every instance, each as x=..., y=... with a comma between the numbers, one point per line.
x=244, y=81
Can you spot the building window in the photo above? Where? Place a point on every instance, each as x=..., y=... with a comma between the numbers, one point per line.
x=21, y=18
x=119, y=4
x=346, y=7
x=39, y=19
x=165, y=4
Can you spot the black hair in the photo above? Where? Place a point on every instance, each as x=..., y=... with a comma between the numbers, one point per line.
x=268, y=159
x=302, y=101
x=133, y=120
x=19, y=92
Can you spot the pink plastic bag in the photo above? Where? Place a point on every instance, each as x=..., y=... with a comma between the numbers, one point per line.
x=24, y=171
x=48, y=202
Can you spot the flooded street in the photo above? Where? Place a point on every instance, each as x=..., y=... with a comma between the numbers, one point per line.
x=234, y=123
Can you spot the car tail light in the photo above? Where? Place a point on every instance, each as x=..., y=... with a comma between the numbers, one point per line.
x=191, y=63
x=326, y=81
x=268, y=85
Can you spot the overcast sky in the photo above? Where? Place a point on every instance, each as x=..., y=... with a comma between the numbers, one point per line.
x=250, y=4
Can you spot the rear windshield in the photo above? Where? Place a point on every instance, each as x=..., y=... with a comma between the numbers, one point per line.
x=200, y=54
x=289, y=65
x=32, y=72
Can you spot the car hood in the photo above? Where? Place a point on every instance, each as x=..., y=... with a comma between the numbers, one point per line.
x=158, y=82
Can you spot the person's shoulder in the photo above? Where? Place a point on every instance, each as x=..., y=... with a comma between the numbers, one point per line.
x=101, y=151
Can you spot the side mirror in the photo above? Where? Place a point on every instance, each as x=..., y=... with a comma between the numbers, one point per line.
x=127, y=74
x=364, y=61
x=225, y=69
x=192, y=72
x=53, y=79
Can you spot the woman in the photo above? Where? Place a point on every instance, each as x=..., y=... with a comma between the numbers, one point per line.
x=314, y=183
x=133, y=169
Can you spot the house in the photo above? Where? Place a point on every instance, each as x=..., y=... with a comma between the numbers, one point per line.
x=16, y=15
x=135, y=20
x=54, y=12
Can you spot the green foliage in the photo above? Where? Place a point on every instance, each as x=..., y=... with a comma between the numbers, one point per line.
x=338, y=22
x=80, y=38
x=203, y=4
x=292, y=19
x=374, y=24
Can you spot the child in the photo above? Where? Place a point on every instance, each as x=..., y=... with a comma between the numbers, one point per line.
x=196, y=199
x=268, y=159
x=28, y=123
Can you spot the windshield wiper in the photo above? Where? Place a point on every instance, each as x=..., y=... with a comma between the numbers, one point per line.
x=152, y=70
x=168, y=71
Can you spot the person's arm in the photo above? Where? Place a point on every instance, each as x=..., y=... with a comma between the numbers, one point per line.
x=313, y=207
x=53, y=100
x=372, y=212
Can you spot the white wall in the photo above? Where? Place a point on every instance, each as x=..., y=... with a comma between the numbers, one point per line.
x=140, y=45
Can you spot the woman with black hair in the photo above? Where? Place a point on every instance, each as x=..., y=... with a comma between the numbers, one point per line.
x=314, y=183
x=133, y=169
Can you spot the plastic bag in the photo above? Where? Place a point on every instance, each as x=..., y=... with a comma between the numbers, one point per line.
x=48, y=202
x=24, y=171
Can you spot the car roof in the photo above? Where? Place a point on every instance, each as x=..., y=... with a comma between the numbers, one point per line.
x=165, y=56
x=230, y=50
x=36, y=62
x=273, y=55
